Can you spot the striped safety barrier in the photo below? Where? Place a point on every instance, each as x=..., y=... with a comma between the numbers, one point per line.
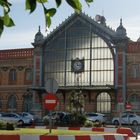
x=64, y=137
x=121, y=130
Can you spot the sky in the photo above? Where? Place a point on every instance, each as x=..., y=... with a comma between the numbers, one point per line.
x=26, y=24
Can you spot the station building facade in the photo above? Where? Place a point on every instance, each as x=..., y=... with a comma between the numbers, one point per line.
x=84, y=56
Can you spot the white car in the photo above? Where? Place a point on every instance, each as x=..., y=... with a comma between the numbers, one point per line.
x=27, y=115
x=55, y=115
x=15, y=118
x=96, y=117
x=127, y=118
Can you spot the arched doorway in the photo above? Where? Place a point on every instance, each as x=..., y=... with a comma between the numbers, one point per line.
x=104, y=103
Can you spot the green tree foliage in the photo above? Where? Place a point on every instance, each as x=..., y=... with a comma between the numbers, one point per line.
x=31, y=5
x=77, y=102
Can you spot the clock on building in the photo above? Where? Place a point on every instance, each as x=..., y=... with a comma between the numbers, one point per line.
x=77, y=65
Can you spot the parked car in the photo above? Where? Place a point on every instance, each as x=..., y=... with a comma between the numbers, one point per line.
x=96, y=117
x=58, y=117
x=15, y=118
x=26, y=115
x=127, y=118
x=56, y=114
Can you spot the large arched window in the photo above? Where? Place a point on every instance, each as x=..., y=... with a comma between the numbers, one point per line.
x=12, y=75
x=104, y=103
x=79, y=42
x=135, y=101
x=28, y=74
x=12, y=103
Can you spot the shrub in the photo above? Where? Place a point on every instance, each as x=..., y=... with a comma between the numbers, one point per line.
x=81, y=119
x=4, y=125
x=10, y=126
x=88, y=123
x=97, y=124
x=77, y=119
x=46, y=121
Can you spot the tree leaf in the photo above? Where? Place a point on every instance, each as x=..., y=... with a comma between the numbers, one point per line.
x=76, y=4
x=50, y=12
x=42, y=1
x=48, y=21
x=5, y=3
x=58, y=2
x=8, y=21
x=88, y=2
x=1, y=25
x=47, y=17
x=31, y=5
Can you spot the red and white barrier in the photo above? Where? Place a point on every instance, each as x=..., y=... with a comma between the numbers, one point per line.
x=64, y=137
x=86, y=137
x=121, y=130
x=97, y=129
x=128, y=131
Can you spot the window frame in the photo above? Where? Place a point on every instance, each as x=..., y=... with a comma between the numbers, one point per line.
x=12, y=76
x=100, y=102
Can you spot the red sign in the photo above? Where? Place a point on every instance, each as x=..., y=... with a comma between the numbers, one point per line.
x=128, y=106
x=120, y=100
x=50, y=101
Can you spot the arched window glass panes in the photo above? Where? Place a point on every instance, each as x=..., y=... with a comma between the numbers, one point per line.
x=135, y=101
x=102, y=65
x=28, y=74
x=78, y=43
x=104, y=103
x=135, y=71
x=12, y=75
x=12, y=103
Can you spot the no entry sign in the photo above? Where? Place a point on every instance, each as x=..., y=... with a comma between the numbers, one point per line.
x=50, y=101
x=128, y=107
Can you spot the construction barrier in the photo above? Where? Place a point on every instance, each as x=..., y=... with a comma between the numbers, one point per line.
x=64, y=137
x=121, y=130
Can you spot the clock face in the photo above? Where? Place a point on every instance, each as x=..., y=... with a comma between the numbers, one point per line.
x=77, y=65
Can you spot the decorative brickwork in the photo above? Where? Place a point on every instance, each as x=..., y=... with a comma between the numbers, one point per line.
x=16, y=53
x=18, y=60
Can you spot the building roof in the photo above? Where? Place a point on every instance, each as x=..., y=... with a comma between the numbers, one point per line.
x=101, y=29
x=16, y=53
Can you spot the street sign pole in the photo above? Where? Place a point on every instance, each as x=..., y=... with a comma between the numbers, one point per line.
x=50, y=104
x=50, y=122
x=51, y=87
